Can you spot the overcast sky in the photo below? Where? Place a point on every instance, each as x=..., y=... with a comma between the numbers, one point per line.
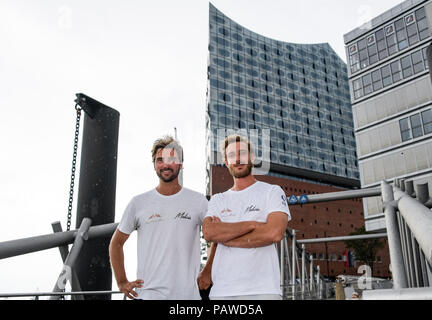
x=148, y=60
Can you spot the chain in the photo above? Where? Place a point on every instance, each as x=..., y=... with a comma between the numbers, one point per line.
x=72, y=184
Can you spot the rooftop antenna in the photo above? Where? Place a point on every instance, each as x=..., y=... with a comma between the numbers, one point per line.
x=180, y=176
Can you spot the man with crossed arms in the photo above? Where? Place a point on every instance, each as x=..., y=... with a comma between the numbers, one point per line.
x=244, y=223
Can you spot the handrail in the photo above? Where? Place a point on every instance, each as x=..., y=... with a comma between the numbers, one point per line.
x=419, y=219
x=18, y=247
x=42, y=294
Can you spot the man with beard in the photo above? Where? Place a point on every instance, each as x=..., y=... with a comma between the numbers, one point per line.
x=168, y=220
x=245, y=222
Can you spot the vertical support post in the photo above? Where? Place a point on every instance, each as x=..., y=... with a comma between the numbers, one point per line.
x=409, y=187
x=399, y=276
x=423, y=265
x=69, y=264
x=64, y=252
x=282, y=263
x=311, y=267
x=303, y=269
x=294, y=254
x=97, y=191
x=318, y=280
x=422, y=193
x=411, y=275
x=416, y=259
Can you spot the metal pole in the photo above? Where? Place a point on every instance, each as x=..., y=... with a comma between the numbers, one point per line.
x=423, y=265
x=419, y=219
x=417, y=264
x=403, y=242
x=288, y=262
x=294, y=254
x=410, y=257
x=318, y=278
x=64, y=252
x=282, y=262
x=72, y=257
x=344, y=195
x=342, y=238
x=394, y=242
x=409, y=187
x=401, y=294
x=18, y=247
x=303, y=269
x=311, y=274
x=97, y=191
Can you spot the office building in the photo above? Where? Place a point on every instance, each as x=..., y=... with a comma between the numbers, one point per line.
x=391, y=99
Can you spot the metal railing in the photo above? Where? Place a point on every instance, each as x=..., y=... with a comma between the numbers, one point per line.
x=61, y=240
x=409, y=225
x=59, y=295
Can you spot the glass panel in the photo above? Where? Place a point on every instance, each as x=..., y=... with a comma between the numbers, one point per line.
x=404, y=124
x=419, y=67
x=415, y=121
x=420, y=13
x=417, y=132
x=428, y=128
x=412, y=30
x=424, y=34
x=373, y=59
x=406, y=135
x=357, y=84
x=362, y=44
x=396, y=71
x=399, y=24
x=379, y=34
x=417, y=57
x=422, y=24
x=427, y=116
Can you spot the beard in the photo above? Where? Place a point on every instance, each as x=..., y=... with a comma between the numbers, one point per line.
x=241, y=174
x=172, y=177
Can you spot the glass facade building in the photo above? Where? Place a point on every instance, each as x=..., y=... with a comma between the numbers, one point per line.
x=299, y=92
x=392, y=99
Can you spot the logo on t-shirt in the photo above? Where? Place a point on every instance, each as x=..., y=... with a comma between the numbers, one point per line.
x=183, y=215
x=226, y=212
x=252, y=208
x=154, y=218
x=284, y=201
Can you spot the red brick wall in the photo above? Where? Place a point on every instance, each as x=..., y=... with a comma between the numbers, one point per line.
x=320, y=220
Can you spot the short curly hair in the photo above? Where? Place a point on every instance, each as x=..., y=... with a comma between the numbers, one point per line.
x=167, y=142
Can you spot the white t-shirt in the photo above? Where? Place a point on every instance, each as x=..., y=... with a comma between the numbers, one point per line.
x=240, y=271
x=168, y=242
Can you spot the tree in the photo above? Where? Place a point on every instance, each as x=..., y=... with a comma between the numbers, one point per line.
x=365, y=250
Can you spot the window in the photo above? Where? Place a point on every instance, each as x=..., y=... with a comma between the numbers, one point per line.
x=413, y=36
x=386, y=76
x=427, y=121
x=373, y=53
x=381, y=45
x=416, y=126
x=396, y=71
x=391, y=42
x=367, y=84
x=405, y=130
x=422, y=23
x=358, y=88
x=406, y=66
x=376, y=80
x=401, y=34
x=417, y=60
